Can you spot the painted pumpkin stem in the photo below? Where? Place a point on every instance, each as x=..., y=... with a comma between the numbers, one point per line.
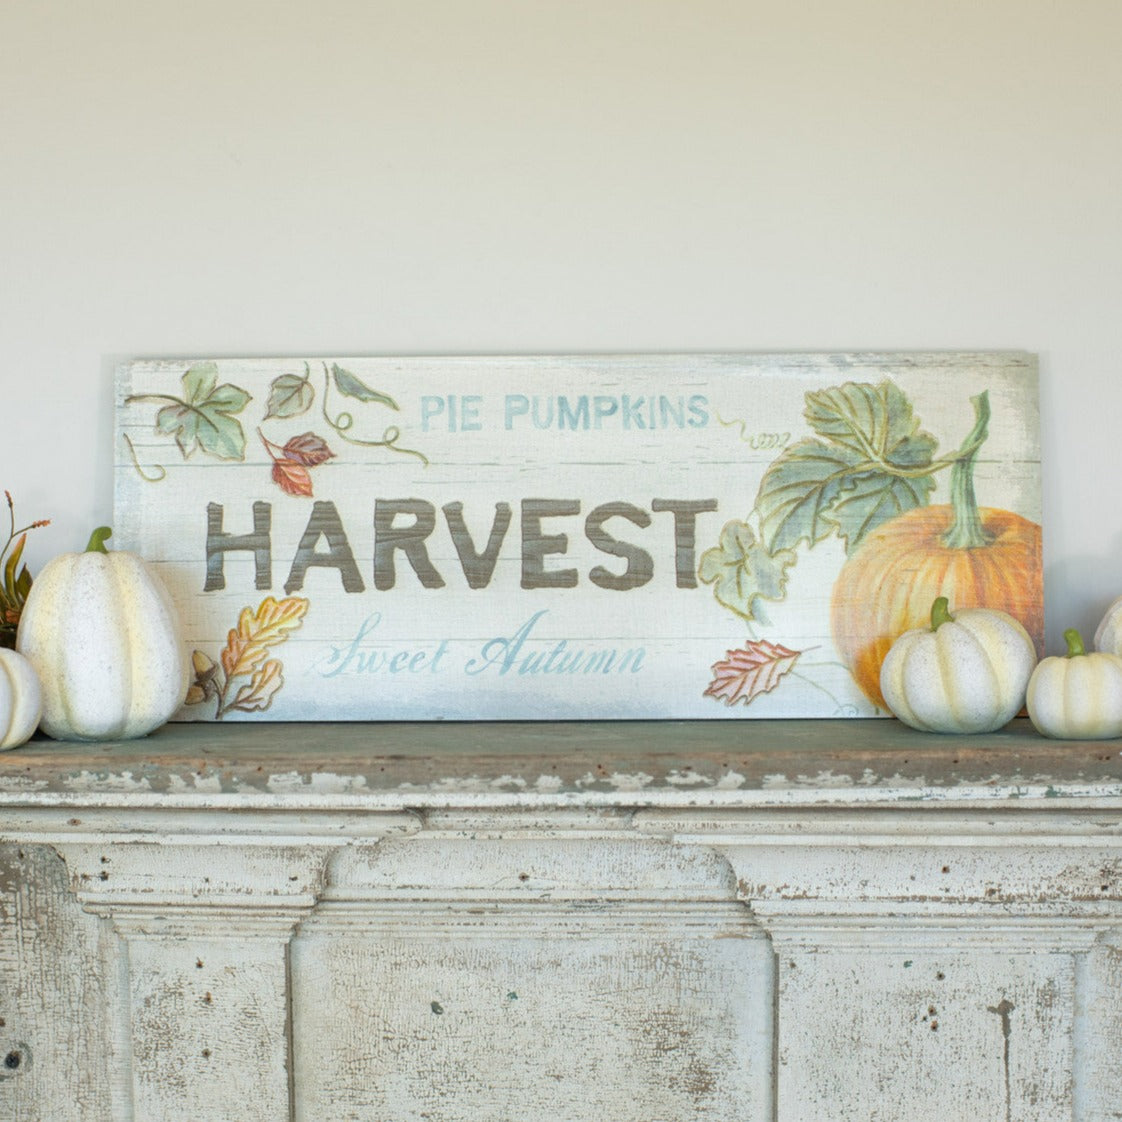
x=940, y=613
x=1074, y=642
x=966, y=529
x=98, y=539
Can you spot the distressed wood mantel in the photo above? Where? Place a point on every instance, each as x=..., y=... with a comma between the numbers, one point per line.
x=631, y=920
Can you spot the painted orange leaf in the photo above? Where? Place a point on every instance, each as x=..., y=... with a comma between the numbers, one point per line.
x=292, y=477
x=755, y=668
x=248, y=643
x=258, y=694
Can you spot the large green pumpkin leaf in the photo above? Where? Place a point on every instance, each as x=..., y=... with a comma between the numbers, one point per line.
x=876, y=423
x=872, y=499
x=797, y=491
x=204, y=417
x=742, y=570
x=868, y=467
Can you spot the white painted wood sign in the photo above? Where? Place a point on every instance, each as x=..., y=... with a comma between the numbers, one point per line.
x=687, y=536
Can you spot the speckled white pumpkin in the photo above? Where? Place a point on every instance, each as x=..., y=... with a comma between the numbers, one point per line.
x=1077, y=696
x=21, y=700
x=967, y=673
x=101, y=631
x=1108, y=635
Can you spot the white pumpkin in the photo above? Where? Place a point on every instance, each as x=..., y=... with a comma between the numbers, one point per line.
x=1108, y=635
x=967, y=673
x=1077, y=696
x=21, y=700
x=101, y=631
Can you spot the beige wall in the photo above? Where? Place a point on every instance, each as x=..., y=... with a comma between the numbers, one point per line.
x=245, y=177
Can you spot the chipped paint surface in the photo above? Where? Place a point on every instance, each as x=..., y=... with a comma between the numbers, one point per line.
x=719, y=764
x=54, y=971
x=318, y=783
x=932, y=1035
x=109, y=781
x=580, y=921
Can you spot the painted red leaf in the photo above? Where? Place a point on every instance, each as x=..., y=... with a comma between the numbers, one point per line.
x=308, y=449
x=755, y=668
x=292, y=478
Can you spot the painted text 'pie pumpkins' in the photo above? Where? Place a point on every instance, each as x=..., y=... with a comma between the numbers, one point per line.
x=101, y=631
x=978, y=557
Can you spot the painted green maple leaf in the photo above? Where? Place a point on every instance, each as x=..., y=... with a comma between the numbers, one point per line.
x=742, y=571
x=203, y=418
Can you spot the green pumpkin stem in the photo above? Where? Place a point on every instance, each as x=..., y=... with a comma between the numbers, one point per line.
x=98, y=539
x=940, y=613
x=966, y=530
x=1074, y=642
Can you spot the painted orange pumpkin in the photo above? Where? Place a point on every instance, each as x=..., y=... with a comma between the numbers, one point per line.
x=888, y=584
x=977, y=557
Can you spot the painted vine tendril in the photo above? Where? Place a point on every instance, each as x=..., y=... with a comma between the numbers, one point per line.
x=343, y=422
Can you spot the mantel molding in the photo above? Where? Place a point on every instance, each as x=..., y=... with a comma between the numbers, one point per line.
x=817, y=926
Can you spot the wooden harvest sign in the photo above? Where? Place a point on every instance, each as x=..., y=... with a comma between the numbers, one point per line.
x=717, y=536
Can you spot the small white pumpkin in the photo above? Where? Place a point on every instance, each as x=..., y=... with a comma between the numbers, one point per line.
x=21, y=700
x=1108, y=635
x=101, y=631
x=967, y=673
x=1077, y=696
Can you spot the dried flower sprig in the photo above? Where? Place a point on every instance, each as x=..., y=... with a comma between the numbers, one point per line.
x=15, y=585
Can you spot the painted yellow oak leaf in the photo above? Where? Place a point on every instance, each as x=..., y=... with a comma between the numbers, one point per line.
x=247, y=645
x=258, y=693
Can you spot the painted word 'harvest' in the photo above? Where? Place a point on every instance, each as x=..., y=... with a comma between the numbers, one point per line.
x=478, y=565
